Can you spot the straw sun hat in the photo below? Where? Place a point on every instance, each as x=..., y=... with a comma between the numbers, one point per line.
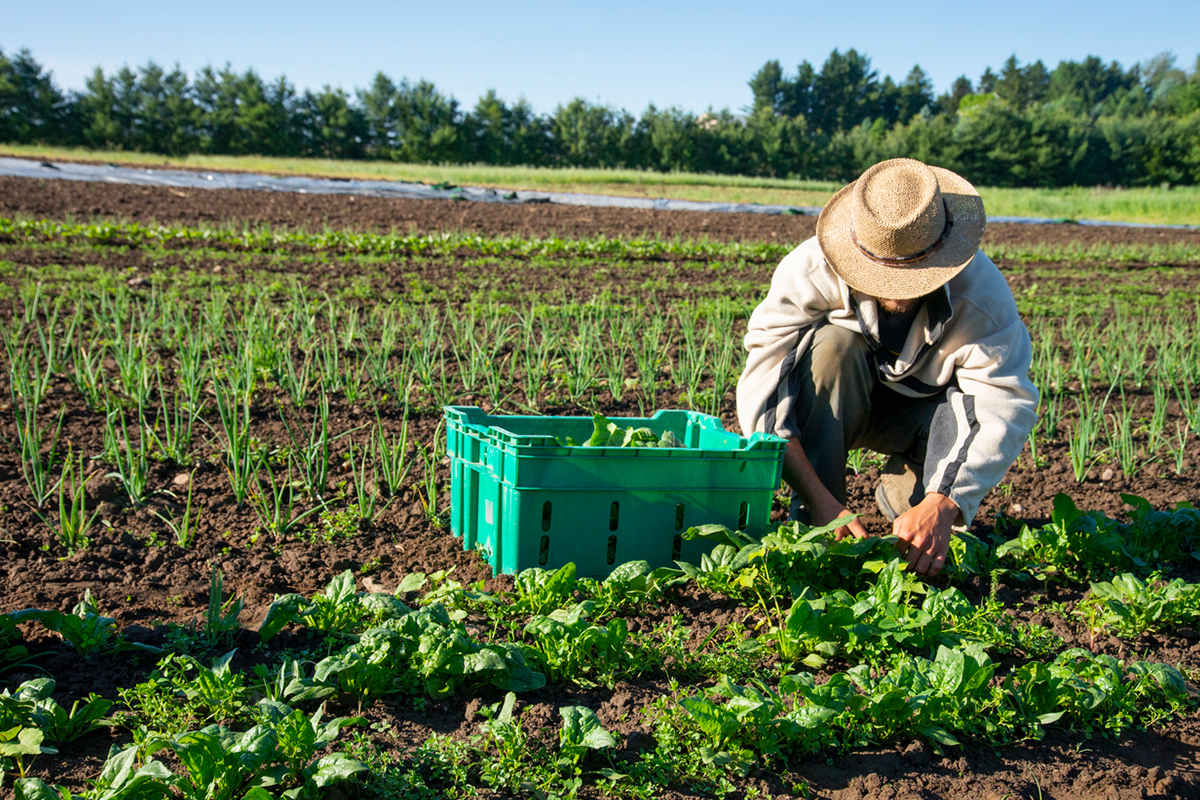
x=902, y=229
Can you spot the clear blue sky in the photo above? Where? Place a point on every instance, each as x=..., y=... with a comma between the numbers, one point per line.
x=686, y=54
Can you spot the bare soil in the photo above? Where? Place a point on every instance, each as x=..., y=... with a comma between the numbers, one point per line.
x=80, y=200
x=145, y=581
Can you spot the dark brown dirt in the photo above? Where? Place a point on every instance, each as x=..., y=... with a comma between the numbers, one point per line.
x=145, y=581
x=31, y=198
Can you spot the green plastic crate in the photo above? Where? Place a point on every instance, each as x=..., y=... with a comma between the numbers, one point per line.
x=528, y=501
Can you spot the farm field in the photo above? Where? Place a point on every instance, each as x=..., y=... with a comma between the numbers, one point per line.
x=1159, y=205
x=213, y=400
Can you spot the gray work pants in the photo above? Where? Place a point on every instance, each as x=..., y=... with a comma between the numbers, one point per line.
x=842, y=405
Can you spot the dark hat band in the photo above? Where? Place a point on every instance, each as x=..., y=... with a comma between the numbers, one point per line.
x=905, y=260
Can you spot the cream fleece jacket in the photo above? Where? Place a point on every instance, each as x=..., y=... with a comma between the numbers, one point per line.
x=967, y=340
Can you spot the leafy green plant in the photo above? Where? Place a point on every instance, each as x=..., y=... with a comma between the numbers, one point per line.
x=299, y=738
x=220, y=763
x=85, y=628
x=123, y=777
x=540, y=591
x=1077, y=544
x=629, y=586
x=20, y=746
x=33, y=706
x=581, y=734
x=338, y=609
x=752, y=721
x=507, y=762
x=1130, y=606
x=421, y=651
x=567, y=647
x=13, y=653
x=1073, y=543
x=609, y=434
x=215, y=693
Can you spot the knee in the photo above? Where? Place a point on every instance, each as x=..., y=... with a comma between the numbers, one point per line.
x=839, y=363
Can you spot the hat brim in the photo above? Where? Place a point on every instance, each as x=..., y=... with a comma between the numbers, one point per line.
x=913, y=280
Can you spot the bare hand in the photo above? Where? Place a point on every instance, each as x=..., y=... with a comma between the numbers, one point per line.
x=830, y=509
x=924, y=533
x=822, y=506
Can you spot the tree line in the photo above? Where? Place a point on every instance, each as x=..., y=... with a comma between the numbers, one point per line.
x=1080, y=123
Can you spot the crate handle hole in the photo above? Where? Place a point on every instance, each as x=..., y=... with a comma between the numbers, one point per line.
x=677, y=547
x=679, y=517
x=612, y=548
x=614, y=516
x=545, y=516
x=743, y=516
x=544, y=551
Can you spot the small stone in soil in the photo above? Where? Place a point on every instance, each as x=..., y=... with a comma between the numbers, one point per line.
x=1108, y=474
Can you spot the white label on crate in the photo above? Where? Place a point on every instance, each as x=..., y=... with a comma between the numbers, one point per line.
x=487, y=512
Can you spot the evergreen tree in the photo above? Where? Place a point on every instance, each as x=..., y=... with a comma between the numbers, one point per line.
x=1090, y=83
x=672, y=135
x=108, y=110
x=987, y=81
x=590, y=135
x=844, y=92
x=239, y=114
x=769, y=88
x=164, y=112
x=916, y=93
x=32, y=109
x=948, y=103
x=508, y=135
x=1085, y=122
x=328, y=126
x=1019, y=86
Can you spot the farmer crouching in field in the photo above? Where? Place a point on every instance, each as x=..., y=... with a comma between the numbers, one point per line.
x=890, y=330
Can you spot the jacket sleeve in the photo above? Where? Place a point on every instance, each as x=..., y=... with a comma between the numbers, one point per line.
x=991, y=409
x=802, y=290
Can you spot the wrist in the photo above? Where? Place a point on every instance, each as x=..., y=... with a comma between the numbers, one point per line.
x=947, y=510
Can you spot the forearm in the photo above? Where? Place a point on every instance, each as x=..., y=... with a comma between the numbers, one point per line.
x=822, y=506
x=799, y=474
